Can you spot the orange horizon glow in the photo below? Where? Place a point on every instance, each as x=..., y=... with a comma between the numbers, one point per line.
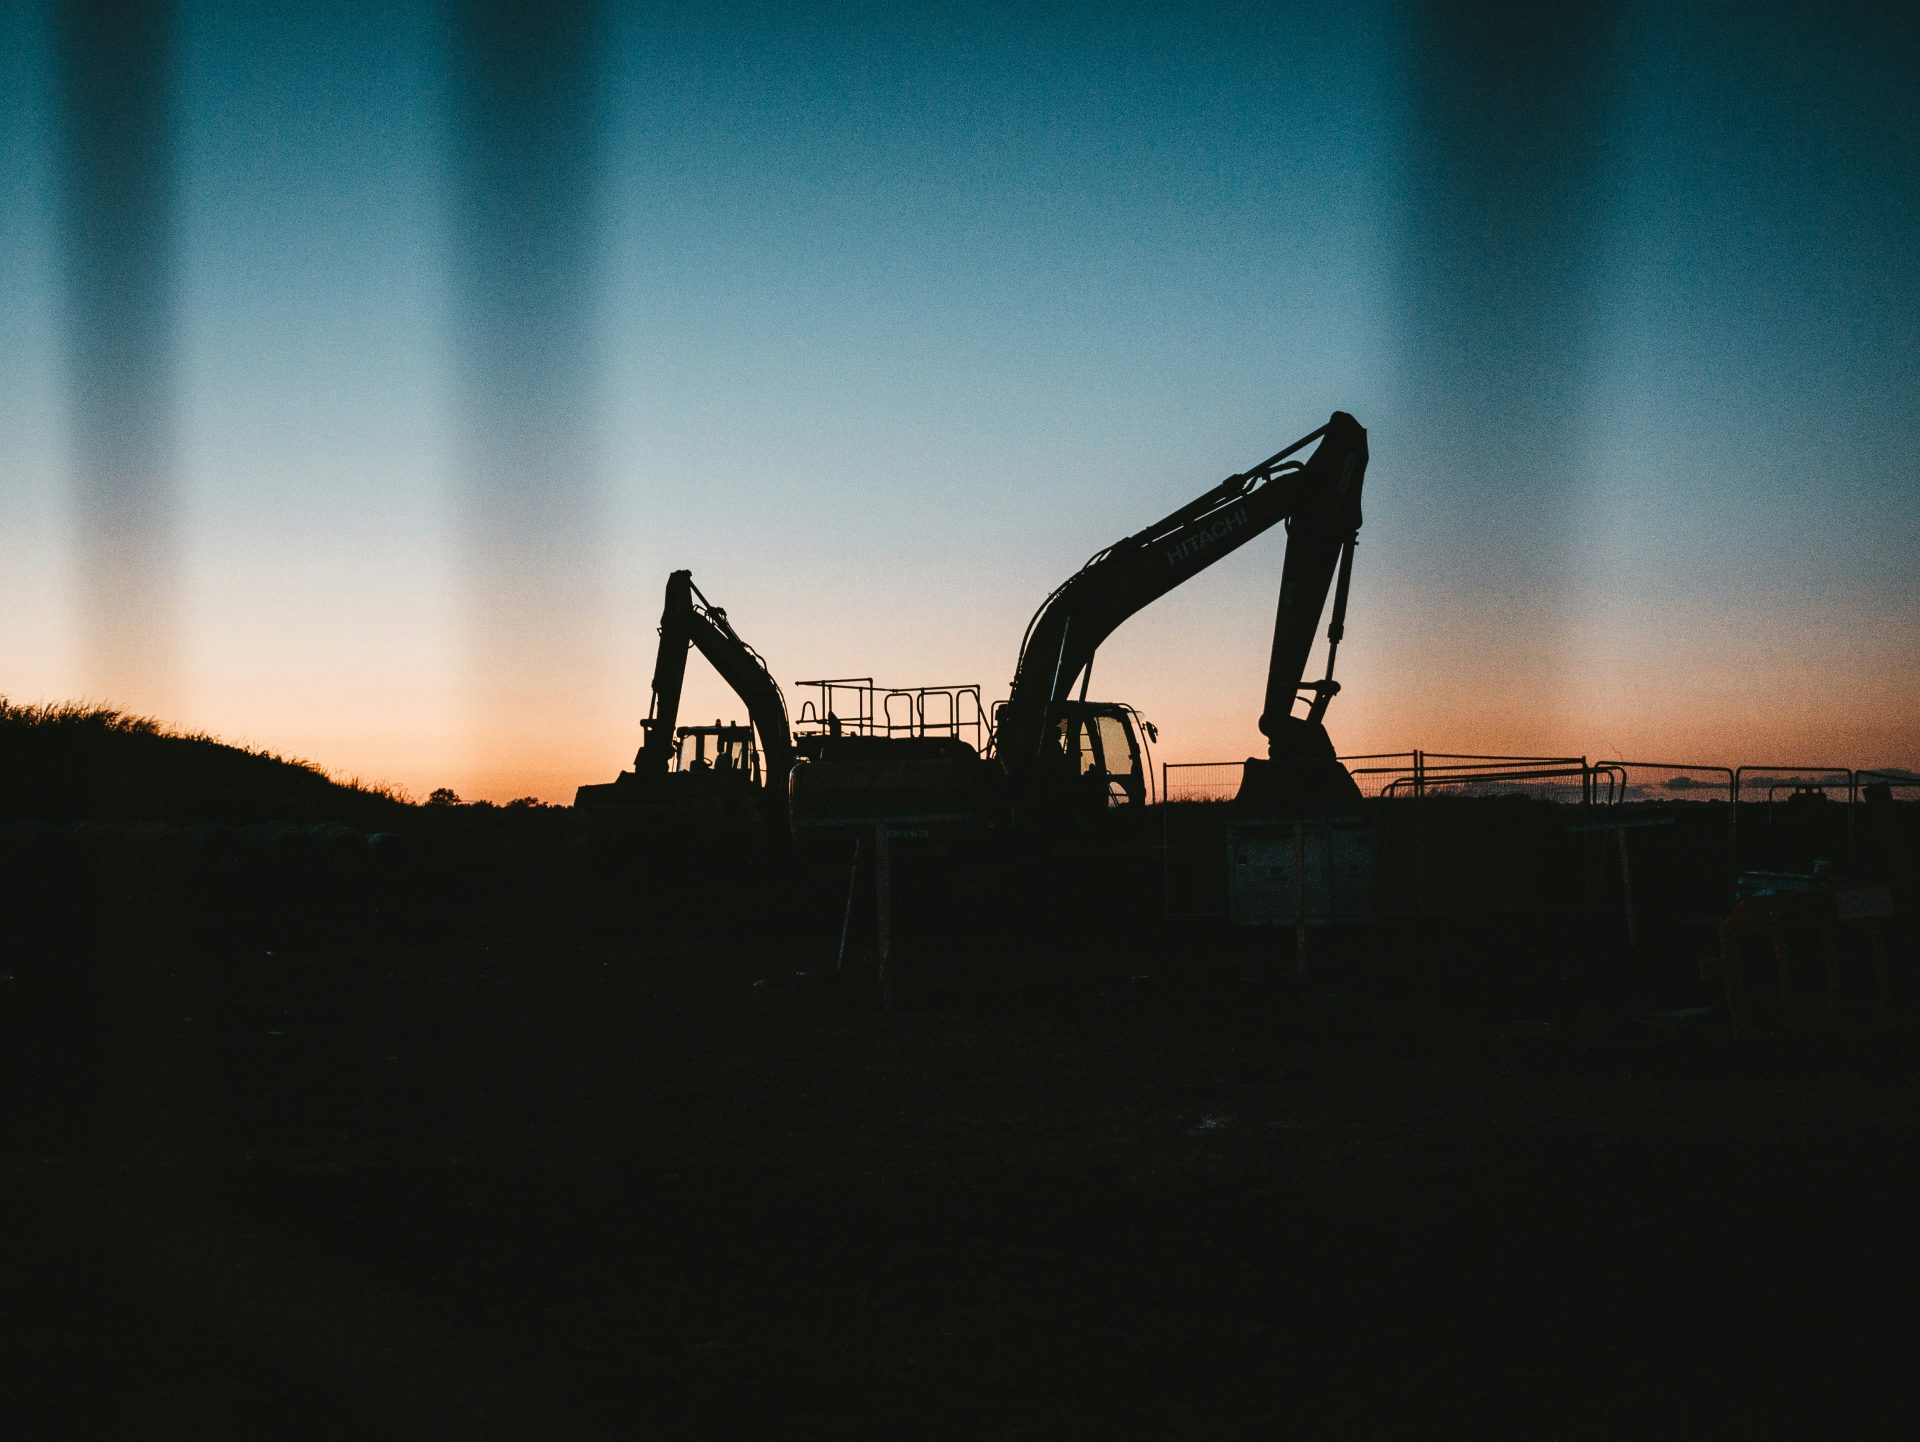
x=365, y=380
x=566, y=747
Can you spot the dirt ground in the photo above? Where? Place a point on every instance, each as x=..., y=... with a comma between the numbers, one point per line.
x=600, y=1189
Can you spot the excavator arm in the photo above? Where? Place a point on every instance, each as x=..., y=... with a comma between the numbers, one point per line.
x=1318, y=497
x=689, y=619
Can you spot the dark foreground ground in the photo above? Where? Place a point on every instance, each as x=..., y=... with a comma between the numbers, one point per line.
x=616, y=1190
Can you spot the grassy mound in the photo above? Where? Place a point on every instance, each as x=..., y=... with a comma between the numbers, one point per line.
x=73, y=762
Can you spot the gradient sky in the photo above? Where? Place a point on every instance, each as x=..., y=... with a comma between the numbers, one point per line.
x=364, y=369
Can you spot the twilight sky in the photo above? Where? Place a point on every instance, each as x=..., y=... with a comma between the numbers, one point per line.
x=364, y=369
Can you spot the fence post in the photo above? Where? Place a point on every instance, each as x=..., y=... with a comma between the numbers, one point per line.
x=1166, y=852
x=1419, y=833
x=883, y=911
x=1733, y=832
x=1626, y=891
x=853, y=890
x=1300, y=898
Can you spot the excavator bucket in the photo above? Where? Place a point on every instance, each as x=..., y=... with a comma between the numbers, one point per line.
x=1300, y=777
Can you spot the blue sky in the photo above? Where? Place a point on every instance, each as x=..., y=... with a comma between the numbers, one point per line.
x=883, y=319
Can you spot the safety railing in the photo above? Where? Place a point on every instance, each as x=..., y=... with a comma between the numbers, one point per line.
x=845, y=701
x=857, y=707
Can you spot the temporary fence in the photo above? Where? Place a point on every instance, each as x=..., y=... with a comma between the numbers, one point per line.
x=1571, y=779
x=1396, y=774
x=1658, y=837
x=1900, y=785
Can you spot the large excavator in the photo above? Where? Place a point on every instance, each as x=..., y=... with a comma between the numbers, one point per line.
x=1063, y=753
x=704, y=771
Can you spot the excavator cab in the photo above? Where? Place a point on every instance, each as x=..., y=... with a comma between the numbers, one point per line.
x=724, y=750
x=1098, y=760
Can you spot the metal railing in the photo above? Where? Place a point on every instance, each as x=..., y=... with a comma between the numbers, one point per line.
x=847, y=700
x=1895, y=781
x=860, y=708
x=1675, y=778
x=1685, y=830
x=1412, y=773
x=1200, y=780
x=1396, y=774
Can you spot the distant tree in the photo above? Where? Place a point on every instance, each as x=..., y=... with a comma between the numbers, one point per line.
x=443, y=796
x=523, y=803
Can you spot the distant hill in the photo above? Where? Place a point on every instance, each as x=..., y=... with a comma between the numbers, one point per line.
x=70, y=762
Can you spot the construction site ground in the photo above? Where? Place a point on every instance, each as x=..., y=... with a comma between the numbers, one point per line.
x=613, y=1186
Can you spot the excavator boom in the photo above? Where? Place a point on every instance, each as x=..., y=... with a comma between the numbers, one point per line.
x=687, y=620
x=1318, y=497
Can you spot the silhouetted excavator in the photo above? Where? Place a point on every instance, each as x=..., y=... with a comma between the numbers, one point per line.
x=1058, y=754
x=704, y=772
x=1063, y=753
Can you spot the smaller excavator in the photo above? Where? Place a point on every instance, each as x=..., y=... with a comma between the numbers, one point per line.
x=1064, y=754
x=708, y=777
